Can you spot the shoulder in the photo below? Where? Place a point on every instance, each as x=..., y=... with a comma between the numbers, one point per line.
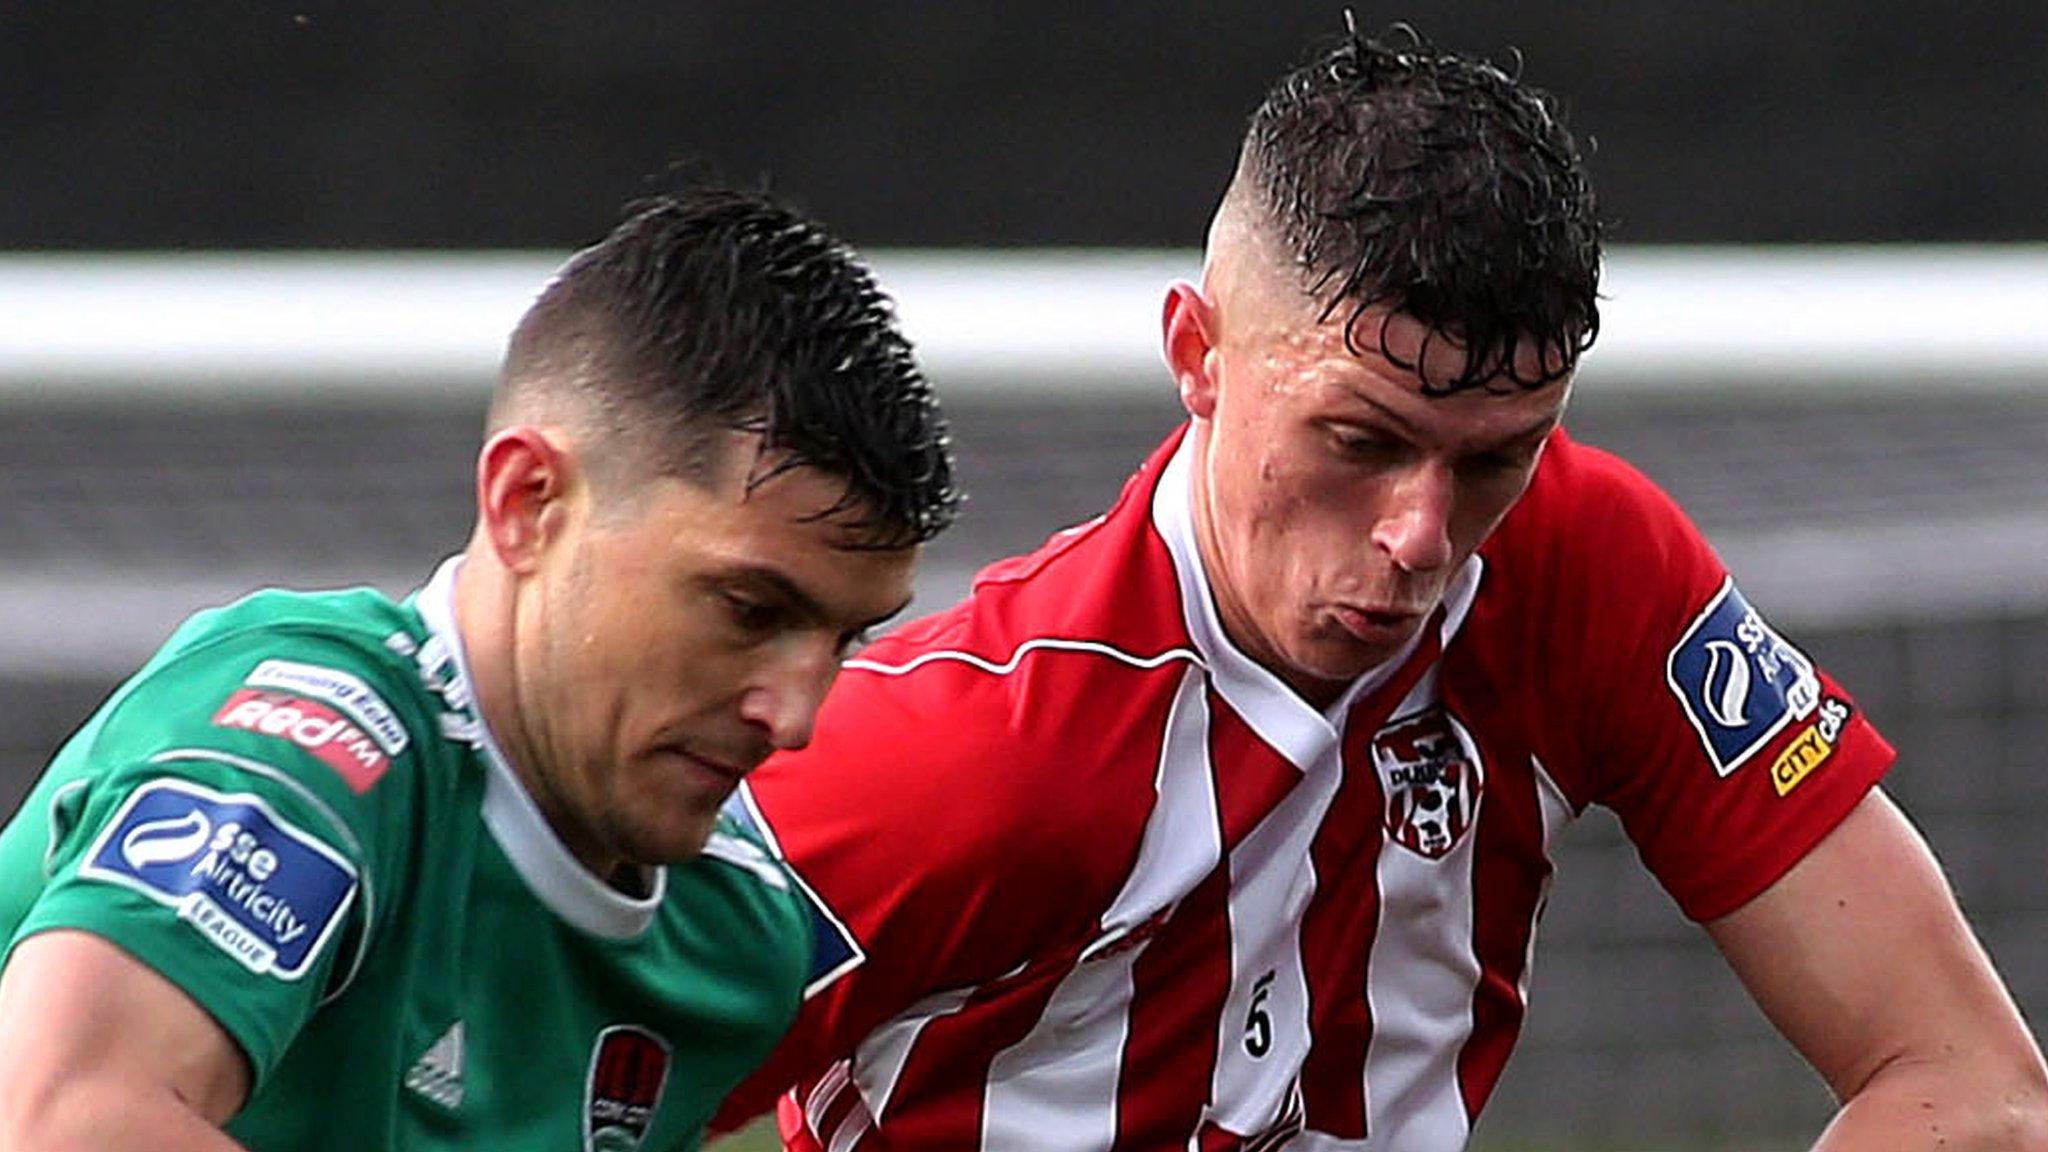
x=993, y=753
x=246, y=804
x=970, y=760
x=744, y=883
x=321, y=686
x=1050, y=639
x=1586, y=503
x=1035, y=681
x=339, y=647
x=360, y=618
x=344, y=655
x=1596, y=546
x=299, y=707
x=1586, y=585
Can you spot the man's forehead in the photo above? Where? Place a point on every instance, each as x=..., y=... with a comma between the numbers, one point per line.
x=1381, y=340
x=1440, y=357
x=1341, y=382
x=826, y=507
x=1263, y=293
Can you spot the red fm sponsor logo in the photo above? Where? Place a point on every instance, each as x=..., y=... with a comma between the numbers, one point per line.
x=315, y=727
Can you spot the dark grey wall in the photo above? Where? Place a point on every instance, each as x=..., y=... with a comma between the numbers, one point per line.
x=525, y=123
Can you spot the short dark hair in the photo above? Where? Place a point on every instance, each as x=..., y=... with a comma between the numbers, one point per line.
x=1412, y=180
x=714, y=310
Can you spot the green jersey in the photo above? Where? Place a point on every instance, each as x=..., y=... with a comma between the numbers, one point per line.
x=294, y=813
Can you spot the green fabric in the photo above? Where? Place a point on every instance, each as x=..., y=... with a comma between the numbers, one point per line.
x=446, y=1005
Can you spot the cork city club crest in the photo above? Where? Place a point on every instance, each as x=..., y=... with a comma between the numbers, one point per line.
x=628, y=1070
x=1432, y=779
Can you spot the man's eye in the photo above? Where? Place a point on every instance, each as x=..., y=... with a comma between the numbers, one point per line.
x=752, y=615
x=1361, y=443
x=1505, y=462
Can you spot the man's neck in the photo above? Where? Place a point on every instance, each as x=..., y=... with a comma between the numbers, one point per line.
x=485, y=622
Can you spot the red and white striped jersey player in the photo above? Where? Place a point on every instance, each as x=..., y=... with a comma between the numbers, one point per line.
x=1224, y=821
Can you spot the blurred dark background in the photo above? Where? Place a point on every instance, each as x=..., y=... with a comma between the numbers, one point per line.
x=520, y=124
x=1894, y=529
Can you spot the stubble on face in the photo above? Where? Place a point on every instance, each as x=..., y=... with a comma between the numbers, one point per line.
x=687, y=637
x=1248, y=493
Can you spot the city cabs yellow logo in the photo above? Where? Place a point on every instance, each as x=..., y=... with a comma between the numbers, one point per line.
x=1811, y=748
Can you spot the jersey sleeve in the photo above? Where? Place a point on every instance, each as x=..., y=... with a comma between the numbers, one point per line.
x=1725, y=751
x=886, y=887
x=225, y=821
x=907, y=825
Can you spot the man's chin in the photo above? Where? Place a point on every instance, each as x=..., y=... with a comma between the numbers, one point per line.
x=675, y=842
x=1341, y=659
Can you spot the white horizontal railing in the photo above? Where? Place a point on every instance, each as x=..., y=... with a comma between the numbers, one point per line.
x=1720, y=322
x=1056, y=323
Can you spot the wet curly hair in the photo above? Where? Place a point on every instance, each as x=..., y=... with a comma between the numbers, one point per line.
x=1403, y=178
x=717, y=309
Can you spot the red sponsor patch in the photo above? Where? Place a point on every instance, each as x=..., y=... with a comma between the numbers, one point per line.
x=313, y=726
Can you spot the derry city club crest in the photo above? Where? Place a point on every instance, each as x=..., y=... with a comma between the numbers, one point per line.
x=628, y=1070
x=1431, y=776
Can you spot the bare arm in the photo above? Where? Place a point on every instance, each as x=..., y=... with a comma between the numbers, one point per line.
x=1862, y=959
x=97, y=1051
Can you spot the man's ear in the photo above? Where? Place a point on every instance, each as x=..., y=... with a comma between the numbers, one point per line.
x=523, y=475
x=1188, y=330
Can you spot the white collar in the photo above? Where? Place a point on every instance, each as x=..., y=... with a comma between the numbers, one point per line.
x=555, y=877
x=1275, y=711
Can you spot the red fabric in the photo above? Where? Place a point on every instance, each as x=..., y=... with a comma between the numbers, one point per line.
x=979, y=790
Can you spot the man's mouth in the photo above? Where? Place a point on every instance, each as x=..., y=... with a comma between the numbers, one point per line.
x=1376, y=624
x=731, y=770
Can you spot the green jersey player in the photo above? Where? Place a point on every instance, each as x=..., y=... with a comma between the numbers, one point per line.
x=373, y=911
x=334, y=871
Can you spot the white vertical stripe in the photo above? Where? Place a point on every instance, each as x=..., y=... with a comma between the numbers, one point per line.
x=856, y=1125
x=817, y=1103
x=1557, y=812
x=1272, y=881
x=878, y=1061
x=1056, y=1088
x=1182, y=841
x=1557, y=807
x=1422, y=976
x=1324, y=1142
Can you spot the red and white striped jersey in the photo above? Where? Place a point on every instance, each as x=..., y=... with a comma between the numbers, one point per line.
x=1089, y=878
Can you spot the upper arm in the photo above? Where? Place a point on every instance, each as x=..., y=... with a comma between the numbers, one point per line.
x=90, y=1034
x=206, y=832
x=1724, y=749
x=1860, y=956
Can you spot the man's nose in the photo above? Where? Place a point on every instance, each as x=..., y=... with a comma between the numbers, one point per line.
x=1414, y=526
x=784, y=699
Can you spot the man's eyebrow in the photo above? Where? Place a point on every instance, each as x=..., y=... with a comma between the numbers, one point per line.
x=789, y=590
x=1400, y=422
x=1535, y=429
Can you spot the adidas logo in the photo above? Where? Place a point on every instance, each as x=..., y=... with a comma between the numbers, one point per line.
x=437, y=1075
